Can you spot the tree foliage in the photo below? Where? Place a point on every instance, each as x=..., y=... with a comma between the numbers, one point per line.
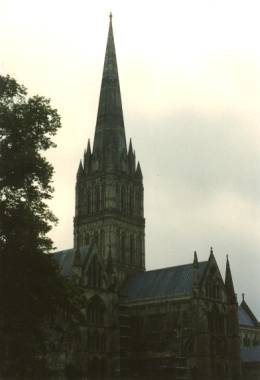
x=32, y=291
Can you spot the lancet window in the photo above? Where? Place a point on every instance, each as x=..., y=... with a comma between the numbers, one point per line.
x=139, y=250
x=89, y=201
x=96, y=312
x=132, y=249
x=97, y=198
x=123, y=199
x=103, y=197
x=102, y=242
x=123, y=246
x=138, y=203
x=86, y=239
x=213, y=290
x=216, y=322
x=94, y=274
x=131, y=201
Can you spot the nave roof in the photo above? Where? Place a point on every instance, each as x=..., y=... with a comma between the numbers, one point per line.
x=166, y=282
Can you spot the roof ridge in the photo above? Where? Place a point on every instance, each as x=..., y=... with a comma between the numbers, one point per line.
x=173, y=266
x=62, y=251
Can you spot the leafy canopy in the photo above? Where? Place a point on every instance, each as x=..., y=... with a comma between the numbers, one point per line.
x=26, y=128
x=32, y=291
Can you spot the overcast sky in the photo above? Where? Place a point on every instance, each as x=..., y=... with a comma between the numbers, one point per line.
x=190, y=83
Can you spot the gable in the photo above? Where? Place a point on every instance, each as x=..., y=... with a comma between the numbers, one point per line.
x=94, y=274
x=211, y=284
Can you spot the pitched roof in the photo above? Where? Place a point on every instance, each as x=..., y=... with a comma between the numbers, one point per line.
x=65, y=259
x=165, y=282
x=250, y=354
x=246, y=316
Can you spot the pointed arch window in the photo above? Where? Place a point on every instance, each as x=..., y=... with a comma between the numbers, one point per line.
x=123, y=199
x=94, y=274
x=97, y=197
x=118, y=206
x=103, y=197
x=213, y=290
x=131, y=201
x=140, y=249
x=86, y=239
x=102, y=242
x=132, y=249
x=89, y=201
x=123, y=245
x=96, y=311
x=138, y=205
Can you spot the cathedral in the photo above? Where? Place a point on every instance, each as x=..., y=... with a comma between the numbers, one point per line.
x=178, y=322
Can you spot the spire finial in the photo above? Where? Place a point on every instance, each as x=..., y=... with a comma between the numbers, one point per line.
x=195, y=256
x=211, y=250
x=195, y=259
x=243, y=296
x=110, y=141
x=110, y=16
x=229, y=283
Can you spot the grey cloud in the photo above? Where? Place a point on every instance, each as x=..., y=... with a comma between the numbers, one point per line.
x=206, y=154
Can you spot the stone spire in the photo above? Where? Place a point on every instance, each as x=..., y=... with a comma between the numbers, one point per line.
x=110, y=142
x=229, y=283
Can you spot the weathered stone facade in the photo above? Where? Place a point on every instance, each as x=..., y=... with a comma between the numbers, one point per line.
x=179, y=322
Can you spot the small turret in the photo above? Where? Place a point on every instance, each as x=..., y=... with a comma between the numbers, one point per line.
x=195, y=273
x=195, y=260
x=131, y=158
x=138, y=171
x=88, y=152
x=130, y=149
x=87, y=158
x=80, y=171
x=229, y=284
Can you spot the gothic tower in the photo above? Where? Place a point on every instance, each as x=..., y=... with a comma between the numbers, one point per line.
x=109, y=187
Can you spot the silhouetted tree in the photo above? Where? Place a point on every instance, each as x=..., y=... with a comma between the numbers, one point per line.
x=32, y=292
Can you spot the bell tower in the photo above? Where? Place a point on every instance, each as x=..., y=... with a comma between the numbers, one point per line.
x=109, y=185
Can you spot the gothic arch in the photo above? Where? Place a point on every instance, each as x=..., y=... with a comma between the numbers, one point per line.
x=97, y=198
x=102, y=242
x=89, y=201
x=132, y=249
x=131, y=201
x=103, y=196
x=137, y=201
x=96, y=313
x=94, y=273
x=123, y=198
x=123, y=245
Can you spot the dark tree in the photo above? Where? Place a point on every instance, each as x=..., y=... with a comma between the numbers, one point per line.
x=32, y=292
